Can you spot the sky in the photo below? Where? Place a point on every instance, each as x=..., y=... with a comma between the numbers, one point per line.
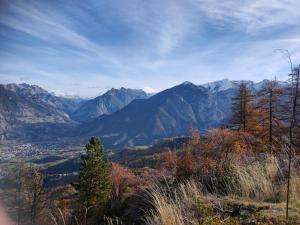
x=75, y=47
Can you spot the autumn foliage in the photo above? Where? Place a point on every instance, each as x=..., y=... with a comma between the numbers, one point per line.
x=123, y=180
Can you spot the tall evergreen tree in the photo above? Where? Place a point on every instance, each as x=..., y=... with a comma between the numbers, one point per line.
x=271, y=111
x=243, y=109
x=94, y=186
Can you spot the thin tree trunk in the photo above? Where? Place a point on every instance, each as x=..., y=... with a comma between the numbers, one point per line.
x=292, y=124
x=34, y=208
x=270, y=119
x=244, y=106
x=19, y=201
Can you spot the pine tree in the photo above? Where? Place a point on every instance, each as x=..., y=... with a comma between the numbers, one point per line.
x=94, y=186
x=243, y=110
x=271, y=119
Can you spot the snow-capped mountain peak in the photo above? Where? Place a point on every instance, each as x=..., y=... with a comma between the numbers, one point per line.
x=220, y=85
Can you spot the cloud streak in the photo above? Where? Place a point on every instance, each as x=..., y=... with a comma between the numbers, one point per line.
x=251, y=15
x=153, y=44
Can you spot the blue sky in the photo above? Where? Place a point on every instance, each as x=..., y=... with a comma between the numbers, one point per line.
x=86, y=47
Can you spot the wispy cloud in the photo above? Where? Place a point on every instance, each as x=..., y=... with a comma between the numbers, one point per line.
x=250, y=15
x=166, y=23
x=153, y=44
x=37, y=20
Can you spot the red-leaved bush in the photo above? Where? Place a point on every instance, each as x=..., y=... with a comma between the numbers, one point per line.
x=123, y=180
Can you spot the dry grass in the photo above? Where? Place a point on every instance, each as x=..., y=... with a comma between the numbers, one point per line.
x=260, y=181
x=185, y=206
x=175, y=210
x=266, y=180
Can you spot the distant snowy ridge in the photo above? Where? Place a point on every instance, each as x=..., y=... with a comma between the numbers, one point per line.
x=225, y=84
x=220, y=85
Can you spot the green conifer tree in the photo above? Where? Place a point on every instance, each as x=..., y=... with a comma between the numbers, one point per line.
x=94, y=186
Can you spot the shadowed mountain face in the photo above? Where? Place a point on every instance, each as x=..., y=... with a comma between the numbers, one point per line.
x=107, y=103
x=169, y=113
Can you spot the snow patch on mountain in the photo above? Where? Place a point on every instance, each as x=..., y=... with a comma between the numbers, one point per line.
x=220, y=85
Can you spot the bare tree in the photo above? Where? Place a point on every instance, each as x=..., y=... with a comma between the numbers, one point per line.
x=35, y=193
x=293, y=119
x=30, y=195
x=19, y=197
x=294, y=125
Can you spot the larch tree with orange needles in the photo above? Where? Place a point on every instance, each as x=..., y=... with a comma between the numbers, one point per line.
x=243, y=111
x=271, y=120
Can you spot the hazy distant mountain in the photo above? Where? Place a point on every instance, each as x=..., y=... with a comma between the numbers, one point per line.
x=24, y=106
x=107, y=103
x=41, y=96
x=222, y=85
x=169, y=113
x=16, y=110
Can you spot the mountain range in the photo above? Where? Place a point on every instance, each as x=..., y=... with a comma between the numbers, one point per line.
x=30, y=112
x=169, y=113
x=109, y=102
x=25, y=104
x=121, y=117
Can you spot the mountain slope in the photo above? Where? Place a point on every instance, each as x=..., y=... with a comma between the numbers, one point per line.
x=107, y=103
x=16, y=110
x=41, y=96
x=169, y=113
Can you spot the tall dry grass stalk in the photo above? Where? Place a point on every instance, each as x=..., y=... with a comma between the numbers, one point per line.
x=175, y=210
x=266, y=180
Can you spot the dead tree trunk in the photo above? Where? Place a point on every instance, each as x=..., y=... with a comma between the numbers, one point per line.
x=295, y=76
